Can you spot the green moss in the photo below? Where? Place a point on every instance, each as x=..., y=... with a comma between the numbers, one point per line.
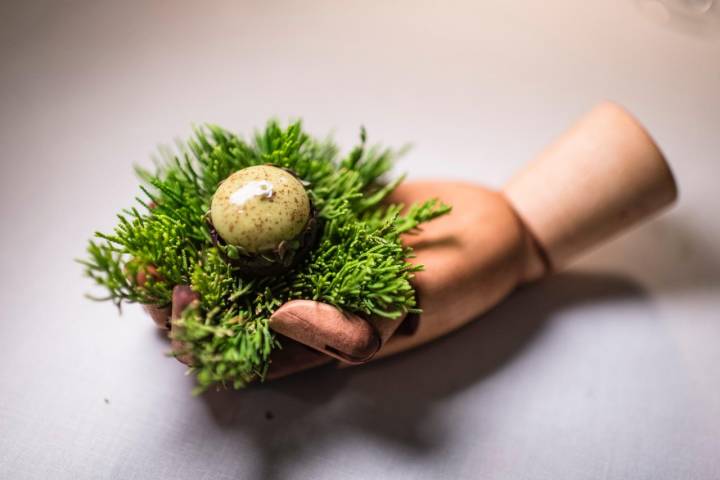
x=359, y=264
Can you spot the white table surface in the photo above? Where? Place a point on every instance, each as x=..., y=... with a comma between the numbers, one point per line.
x=608, y=371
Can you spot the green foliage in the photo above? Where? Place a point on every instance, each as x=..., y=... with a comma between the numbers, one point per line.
x=359, y=264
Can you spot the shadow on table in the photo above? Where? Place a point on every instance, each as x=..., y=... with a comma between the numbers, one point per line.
x=395, y=399
x=671, y=254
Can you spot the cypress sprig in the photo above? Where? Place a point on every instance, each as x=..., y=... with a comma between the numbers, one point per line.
x=359, y=263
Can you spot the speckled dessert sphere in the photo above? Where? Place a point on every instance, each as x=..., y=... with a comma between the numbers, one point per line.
x=259, y=207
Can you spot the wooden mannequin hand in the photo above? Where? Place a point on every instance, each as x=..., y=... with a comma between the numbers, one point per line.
x=602, y=176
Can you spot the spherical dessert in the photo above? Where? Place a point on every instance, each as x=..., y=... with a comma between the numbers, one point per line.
x=258, y=208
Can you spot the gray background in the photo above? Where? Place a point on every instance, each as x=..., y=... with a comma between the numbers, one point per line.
x=610, y=370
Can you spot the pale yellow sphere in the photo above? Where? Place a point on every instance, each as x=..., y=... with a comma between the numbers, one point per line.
x=257, y=208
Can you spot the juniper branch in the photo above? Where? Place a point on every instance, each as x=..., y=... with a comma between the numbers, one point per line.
x=359, y=264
